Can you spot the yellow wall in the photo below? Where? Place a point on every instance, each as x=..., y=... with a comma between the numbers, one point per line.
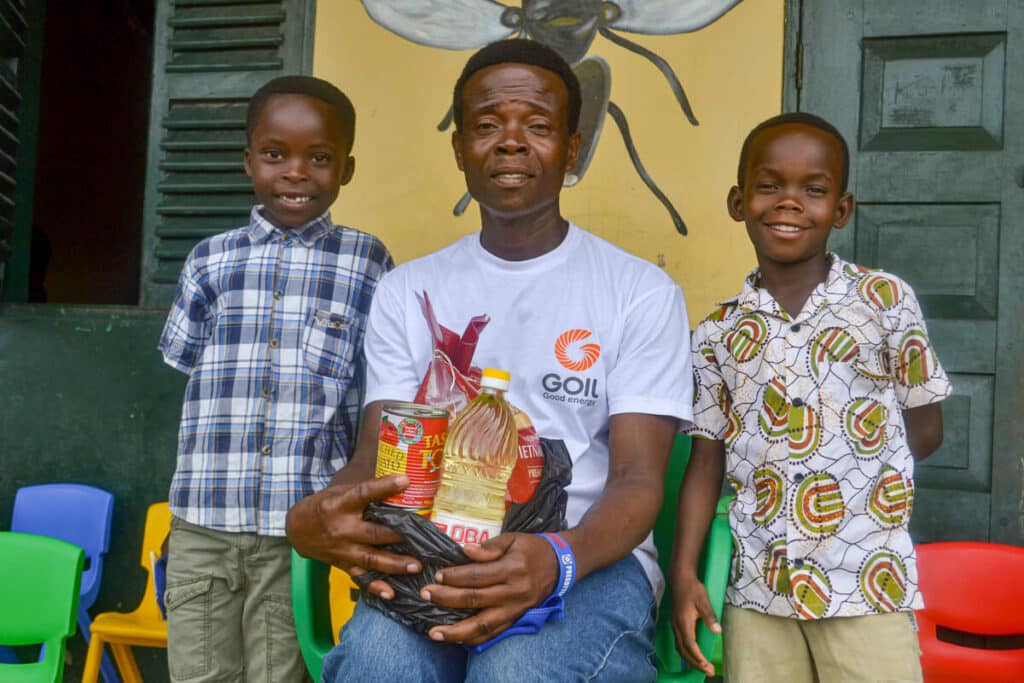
x=406, y=181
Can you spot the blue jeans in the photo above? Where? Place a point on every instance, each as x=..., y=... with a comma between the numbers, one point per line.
x=607, y=635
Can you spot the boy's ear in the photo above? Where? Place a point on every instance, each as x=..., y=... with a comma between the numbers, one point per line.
x=247, y=162
x=844, y=209
x=456, y=140
x=734, y=203
x=348, y=170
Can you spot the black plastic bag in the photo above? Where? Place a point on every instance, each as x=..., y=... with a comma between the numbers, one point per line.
x=545, y=511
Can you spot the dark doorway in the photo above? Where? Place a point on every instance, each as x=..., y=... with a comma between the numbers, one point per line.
x=91, y=154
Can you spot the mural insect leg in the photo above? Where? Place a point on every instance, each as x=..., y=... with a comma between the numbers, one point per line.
x=620, y=120
x=663, y=66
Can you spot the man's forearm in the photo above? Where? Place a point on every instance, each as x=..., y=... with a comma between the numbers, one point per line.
x=304, y=523
x=362, y=463
x=621, y=518
x=617, y=523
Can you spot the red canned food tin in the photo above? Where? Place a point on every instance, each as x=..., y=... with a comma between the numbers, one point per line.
x=411, y=441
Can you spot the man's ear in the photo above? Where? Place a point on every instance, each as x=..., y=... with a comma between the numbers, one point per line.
x=574, y=151
x=734, y=203
x=348, y=170
x=247, y=162
x=456, y=145
x=844, y=209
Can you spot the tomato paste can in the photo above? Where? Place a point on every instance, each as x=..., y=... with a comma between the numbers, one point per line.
x=411, y=441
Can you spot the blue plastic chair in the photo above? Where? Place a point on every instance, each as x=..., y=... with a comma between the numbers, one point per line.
x=78, y=514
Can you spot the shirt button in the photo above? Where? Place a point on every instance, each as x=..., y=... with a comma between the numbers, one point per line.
x=278, y=294
x=798, y=563
x=798, y=403
x=798, y=477
x=795, y=328
x=274, y=342
x=265, y=450
x=264, y=392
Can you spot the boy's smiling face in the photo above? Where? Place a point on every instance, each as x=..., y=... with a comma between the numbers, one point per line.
x=792, y=194
x=298, y=159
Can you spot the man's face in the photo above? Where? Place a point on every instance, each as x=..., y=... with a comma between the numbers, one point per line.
x=791, y=196
x=298, y=159
x=514, y=146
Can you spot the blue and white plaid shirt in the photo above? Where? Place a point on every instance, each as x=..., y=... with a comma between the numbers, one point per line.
x=268, y=324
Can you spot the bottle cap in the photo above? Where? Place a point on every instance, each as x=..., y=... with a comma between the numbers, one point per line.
x=494, y=378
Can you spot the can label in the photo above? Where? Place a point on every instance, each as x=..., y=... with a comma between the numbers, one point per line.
x=411, y=441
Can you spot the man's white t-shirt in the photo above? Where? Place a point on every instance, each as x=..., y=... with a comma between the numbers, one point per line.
x=587, y=331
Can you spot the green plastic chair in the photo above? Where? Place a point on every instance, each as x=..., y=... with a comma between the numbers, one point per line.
x=311, y=607
x=39, y=582
x=715, y=562
x=312, y=593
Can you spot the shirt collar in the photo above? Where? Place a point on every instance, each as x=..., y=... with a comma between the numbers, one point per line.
x=261, y=230
x=753, y=297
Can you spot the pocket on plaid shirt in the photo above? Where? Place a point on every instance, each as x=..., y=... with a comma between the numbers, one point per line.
x=329, y=344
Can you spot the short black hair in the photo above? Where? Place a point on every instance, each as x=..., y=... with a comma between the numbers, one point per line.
x=800, y=117
x=520, y=51
x=310, y=87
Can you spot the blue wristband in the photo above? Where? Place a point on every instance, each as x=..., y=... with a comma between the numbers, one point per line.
x=566, y=563
x=553, y=608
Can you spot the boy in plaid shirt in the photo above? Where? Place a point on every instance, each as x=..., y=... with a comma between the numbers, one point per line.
x=268, y=323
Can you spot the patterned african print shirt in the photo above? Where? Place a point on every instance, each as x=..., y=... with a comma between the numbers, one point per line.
x=268, y=324
x=810, y=411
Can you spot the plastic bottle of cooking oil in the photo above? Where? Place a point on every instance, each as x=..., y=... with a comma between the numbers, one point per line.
x=479, y=455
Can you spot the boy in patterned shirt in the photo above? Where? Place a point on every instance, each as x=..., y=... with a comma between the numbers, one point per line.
x=268, y=323
x=816, y=389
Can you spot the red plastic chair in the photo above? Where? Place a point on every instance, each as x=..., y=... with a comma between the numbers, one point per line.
x=976, y=588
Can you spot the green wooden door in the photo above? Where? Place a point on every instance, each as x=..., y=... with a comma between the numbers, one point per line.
x=930, y=95
x=21, y=32
x=209, y=56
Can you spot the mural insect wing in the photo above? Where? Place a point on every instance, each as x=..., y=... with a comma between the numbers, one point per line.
x=660, y=17
x=448, y=24
x=595, y=86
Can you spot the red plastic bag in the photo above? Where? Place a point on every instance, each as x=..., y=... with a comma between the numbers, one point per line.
x=451, y=382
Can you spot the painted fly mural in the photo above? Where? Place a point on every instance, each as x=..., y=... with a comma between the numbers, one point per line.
x=570, y=27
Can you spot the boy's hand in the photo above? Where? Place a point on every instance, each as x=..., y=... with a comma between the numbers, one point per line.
x=329, y=526
x=689, y=602
x=511, y=573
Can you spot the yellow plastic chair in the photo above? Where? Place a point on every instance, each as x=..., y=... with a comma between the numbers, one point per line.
x=145, y=626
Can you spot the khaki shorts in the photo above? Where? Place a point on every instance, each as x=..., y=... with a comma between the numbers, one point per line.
x=879, y=648
x=229, y=610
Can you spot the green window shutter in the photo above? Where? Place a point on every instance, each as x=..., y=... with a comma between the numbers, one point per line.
x=209, y=56
x=21, y=27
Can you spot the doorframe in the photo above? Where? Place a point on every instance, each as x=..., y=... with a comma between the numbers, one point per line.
x=791, y=54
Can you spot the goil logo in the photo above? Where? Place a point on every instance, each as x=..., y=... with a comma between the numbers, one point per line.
x=570, y=342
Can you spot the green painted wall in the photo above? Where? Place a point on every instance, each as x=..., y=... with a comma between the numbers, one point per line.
x=86, y=398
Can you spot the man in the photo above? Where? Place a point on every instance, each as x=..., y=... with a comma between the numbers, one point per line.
x=597, y=343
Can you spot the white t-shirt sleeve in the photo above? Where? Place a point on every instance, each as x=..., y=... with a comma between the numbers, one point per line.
x=391, y=365
x=653, y=372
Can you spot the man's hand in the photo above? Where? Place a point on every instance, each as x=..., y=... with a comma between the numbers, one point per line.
x=329, y=526
x=690, y=602
x=510, y=574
